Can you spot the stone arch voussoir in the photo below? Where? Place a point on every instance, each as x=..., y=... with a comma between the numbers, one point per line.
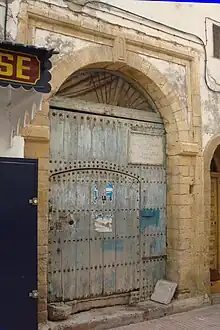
x=136, y=67
x=208, y=153
x=209, y=150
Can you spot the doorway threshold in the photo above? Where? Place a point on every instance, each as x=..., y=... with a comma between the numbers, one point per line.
x=113, y=317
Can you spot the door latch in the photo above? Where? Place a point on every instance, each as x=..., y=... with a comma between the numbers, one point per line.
x=33, y=201
x=33, y=294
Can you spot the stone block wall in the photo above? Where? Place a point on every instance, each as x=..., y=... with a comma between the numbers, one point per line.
x=37, y=146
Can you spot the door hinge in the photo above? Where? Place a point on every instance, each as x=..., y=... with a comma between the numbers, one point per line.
x=33, y=294
x=33, y=201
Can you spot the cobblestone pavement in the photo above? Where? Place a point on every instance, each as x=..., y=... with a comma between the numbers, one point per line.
x=203, y=319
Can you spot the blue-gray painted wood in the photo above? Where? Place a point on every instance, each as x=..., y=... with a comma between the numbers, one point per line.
x=87, y=153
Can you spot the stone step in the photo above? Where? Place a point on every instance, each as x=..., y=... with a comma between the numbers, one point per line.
x=113, y=317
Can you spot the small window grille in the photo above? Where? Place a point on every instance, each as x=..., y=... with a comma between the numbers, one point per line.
x=216, y=41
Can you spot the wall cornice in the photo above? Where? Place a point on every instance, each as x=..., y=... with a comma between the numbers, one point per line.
x=98, y=31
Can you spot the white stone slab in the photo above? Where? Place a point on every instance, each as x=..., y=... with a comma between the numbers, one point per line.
x=164, y=292
x=145, y=149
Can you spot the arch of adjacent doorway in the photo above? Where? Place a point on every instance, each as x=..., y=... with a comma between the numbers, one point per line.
x=208, y=154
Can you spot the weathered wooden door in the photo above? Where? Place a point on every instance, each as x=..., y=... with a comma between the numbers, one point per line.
x=18, y=244
x=107, y=205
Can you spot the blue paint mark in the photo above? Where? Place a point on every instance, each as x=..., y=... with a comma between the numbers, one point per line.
x=110, y=245
x=95, y=194
x=149, y=218
x=109, y=191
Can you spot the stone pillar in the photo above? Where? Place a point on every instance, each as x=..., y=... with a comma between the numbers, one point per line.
x=37, y=146
x=186, y=237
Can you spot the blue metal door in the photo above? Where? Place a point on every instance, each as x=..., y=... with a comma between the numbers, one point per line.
x=18, y=244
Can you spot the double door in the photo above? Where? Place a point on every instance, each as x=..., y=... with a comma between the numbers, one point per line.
x=107, y=207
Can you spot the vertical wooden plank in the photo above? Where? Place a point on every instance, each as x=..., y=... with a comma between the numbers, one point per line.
x=121, y=215
x=54, y=249
x=83, y=279
x=84, y=137
x=73, y=122
x=132, y=230
x=67, y=141
x=69, y=237
x=109, y=239
x=126, y=233
x=56, y=139
x=110, y=140
x=95, y=248
x=54, y=268
x=97, y=139
x=121, y=147
x=68, y=246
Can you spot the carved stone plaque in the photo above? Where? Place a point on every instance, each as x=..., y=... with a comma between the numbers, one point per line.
x=145, y=149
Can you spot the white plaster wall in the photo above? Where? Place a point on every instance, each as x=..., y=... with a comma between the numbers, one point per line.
x=9, y=147
x=16, y=150
x=12, y=19
x=64, y=44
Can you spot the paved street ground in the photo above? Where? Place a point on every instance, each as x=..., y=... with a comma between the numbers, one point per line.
x=202, y=319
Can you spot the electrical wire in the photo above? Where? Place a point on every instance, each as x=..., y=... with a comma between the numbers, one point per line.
x=6, y=19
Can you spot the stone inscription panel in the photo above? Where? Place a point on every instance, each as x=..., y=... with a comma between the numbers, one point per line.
x=145, y=149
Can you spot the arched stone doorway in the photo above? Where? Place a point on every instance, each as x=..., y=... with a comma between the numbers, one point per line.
x=107, y=220
x=187, y=258
x=214, y=246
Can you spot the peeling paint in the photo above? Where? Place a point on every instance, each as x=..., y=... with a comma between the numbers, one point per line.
x=176, y=75
x=64, y=44
x=211, y=112
x=148, y=218
x=95, y=194
x=109, y=245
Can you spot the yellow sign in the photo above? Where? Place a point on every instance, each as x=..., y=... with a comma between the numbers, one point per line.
x=18, y=67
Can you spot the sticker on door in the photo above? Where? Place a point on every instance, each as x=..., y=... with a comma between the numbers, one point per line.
x=103, y=223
